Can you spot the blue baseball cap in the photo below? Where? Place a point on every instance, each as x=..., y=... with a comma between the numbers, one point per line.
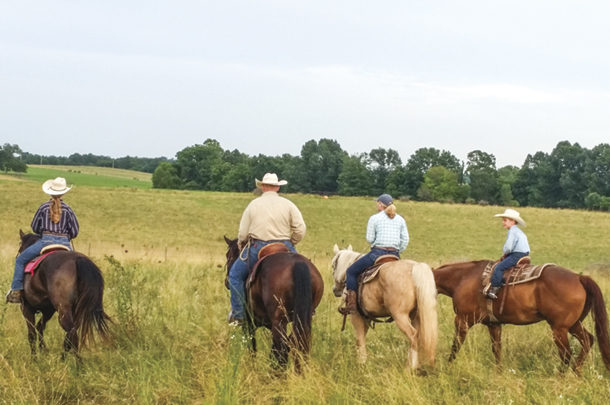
x=385, y=199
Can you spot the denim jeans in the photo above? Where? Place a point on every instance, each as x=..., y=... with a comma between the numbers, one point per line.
x=508, y=262
x=31, y=252
x=239, y=273
x=366, y=261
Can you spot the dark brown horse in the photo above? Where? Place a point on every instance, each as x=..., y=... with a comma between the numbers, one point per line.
x=71, y=284
x=287, y=288
x=560, y=297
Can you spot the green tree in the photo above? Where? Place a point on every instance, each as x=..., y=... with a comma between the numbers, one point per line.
x=355, y=178
x=321, y=163
x=598, y=170
x=198, y=165
x=481, y=170
x=166, y=176
x=568, y=163
x=382, y=162
x=507, y=176
x=417, y=166
x=10, y=159
x=441, y=184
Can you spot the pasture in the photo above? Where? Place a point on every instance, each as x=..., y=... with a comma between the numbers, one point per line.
x=162, y=255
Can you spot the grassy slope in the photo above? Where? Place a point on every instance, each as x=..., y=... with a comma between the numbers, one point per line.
x=166, y=295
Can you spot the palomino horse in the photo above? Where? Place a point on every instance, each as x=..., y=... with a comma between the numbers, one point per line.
x=287, y=288
x=402, y=289
x=559, y=296
x=71, y=284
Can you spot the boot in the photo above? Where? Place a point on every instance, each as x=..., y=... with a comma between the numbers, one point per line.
x=14, y=296
x=492, y=294
x=350, y=303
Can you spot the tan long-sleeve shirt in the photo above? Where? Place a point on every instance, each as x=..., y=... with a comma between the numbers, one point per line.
x=271, y=217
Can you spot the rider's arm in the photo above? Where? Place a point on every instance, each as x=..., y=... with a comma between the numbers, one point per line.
x=297, y=225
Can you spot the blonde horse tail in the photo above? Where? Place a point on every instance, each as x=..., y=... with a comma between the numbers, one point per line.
x=425, y=288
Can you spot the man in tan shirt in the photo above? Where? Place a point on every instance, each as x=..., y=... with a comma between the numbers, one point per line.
x=267, y=219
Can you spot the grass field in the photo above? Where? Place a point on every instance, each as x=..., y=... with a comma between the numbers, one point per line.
x=162, y=254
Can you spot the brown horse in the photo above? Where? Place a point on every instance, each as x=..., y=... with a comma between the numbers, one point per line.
x=287, y=288
x=560, y=297
x=71, y=284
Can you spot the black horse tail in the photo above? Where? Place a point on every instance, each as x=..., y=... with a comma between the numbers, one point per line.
x=89, y=313
x=594, y=294
x=303, y=306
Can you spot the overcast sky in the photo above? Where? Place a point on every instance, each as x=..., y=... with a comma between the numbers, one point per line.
x=149, y=78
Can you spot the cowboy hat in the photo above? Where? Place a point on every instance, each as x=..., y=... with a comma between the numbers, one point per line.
x=55, y=186
x=512, y=214
x=270, y=179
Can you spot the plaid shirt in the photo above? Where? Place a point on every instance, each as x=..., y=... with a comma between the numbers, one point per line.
x=68, y=224
x=382, y=231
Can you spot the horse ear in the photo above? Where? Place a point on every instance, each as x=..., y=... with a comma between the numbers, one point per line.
x=227, y=240
x=336, y=249
x=21, y=234
x=349, y=247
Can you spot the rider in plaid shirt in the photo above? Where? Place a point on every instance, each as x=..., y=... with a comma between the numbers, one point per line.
x=387, y=233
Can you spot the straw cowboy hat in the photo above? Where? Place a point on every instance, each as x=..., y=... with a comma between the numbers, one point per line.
x=55, y=186
x=271, y=180
x=512, y=214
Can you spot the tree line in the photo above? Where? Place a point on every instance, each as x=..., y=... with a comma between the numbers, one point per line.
x=14, y=159
x=569, y=177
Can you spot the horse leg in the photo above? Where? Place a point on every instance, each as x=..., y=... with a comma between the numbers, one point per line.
x=495, y=332
x=280, y=347
x=360, y=328
x=30, y=320
x=404, y=324
x=560, y=337
x=461, y=329
x=40, y=326
x=586, y=341
x=71, y=340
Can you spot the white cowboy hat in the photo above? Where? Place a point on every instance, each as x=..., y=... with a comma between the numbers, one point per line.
x=270, y=179
x=55, y=186
x=512, y=214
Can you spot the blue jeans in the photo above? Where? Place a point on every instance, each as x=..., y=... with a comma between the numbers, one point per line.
x=508, y=262
x=239, y=273
x=366, y=261
x=31, y=252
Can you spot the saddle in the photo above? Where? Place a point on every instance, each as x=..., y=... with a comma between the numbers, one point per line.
x=33, y=264
x=370, y=273
x=267, y=250
x=522, y=272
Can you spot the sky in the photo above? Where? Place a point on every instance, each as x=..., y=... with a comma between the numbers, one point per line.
x=150, y=78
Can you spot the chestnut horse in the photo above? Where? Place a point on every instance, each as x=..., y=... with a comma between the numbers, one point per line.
x=402, y=289
x=560, y=297
x=71, y=284
x=287, y=288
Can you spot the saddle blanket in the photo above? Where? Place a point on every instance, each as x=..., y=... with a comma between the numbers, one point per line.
x=32, y=265
x=516, y=274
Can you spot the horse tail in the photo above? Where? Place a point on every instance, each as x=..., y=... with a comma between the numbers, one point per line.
x=89, y=312
x=594, y=294
x=425, y=288
x=303, y=306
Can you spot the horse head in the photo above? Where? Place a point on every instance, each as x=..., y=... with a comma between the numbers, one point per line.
x=231, y=255
x=27, y=240
x=341, y=261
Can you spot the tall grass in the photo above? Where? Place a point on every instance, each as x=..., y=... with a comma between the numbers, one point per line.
x=162, y=255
